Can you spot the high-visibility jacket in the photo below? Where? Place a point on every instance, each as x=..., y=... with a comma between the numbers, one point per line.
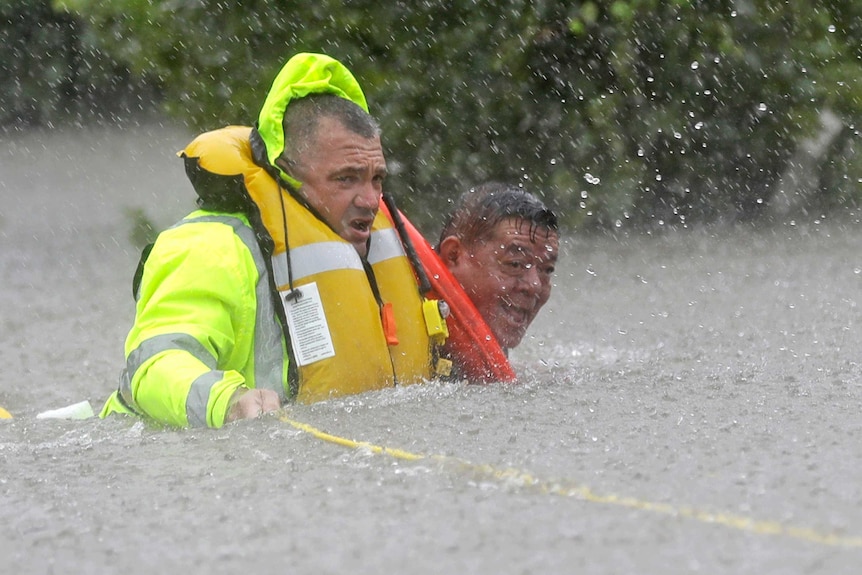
x=214, y=303
x=196, y=338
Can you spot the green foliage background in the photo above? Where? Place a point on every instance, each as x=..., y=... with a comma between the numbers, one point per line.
x=620, y=113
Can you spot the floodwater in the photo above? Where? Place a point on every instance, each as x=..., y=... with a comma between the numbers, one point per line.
x=690, y=403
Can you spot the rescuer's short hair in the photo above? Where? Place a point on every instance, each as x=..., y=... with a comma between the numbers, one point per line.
x=303, y=115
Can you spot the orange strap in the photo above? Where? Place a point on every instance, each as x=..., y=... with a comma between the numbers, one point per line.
x=471, y=345
x=390, y=329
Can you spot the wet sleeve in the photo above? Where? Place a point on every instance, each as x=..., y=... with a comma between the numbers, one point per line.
x=193, y=327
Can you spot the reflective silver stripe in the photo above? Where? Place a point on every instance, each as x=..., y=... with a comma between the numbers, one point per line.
x=198, y=397
x=124, y=391
x=323, y=257
x=385, y=244
x=314, y=259
x=270, y=369
x=153, y=346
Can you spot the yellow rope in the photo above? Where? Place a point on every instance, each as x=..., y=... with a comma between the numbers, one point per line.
x=397, y=453
x=567, y=489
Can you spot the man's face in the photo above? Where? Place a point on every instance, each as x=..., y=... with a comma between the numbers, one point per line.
x=507, y=276
x=342, y=178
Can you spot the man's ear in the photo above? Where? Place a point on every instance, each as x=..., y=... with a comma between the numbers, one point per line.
x=451, y=251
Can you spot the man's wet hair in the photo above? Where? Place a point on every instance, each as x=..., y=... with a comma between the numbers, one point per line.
x=478, y=211
x=302, y=117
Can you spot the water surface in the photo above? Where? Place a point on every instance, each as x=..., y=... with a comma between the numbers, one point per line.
x=690, y=402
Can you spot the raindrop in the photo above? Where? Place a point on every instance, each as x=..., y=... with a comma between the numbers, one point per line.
x=640, y=153
x=553, y=161
x=658, y=177
x=762, y=107
x=695, y=65
x=831, y=28
x=698, y=126
x=584, y=194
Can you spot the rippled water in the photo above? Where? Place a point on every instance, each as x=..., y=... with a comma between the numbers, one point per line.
x=690, y=403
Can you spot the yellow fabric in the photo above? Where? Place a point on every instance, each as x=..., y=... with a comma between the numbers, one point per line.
x=363, y=361
x=113, y=405
x=226, y=152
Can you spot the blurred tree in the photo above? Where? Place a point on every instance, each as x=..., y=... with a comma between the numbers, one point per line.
x=35, y=61
x=51, y=70
x=618, y=111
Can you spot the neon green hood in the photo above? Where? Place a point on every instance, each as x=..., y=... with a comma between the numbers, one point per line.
x=303, y=74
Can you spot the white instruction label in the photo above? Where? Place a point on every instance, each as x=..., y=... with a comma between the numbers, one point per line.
x=309, y=331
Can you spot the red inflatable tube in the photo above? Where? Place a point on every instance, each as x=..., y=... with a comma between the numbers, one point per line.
x=471, y=345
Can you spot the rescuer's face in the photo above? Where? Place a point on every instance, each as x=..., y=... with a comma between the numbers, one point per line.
x=508, y=276
x=342, y=177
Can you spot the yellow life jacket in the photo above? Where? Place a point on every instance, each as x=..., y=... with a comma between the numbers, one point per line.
x=346, y=348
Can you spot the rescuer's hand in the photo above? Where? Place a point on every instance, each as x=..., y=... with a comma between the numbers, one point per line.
x=251, y=403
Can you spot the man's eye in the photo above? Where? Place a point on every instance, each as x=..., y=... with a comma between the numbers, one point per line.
x=515, y=267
